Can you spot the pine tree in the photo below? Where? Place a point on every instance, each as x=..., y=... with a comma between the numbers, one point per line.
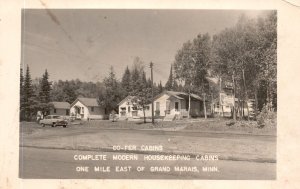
x=21, y=95
x=44, y=94
x=160, y=87
x=169, y=84
x=29, y=97
x=175, y=86
x=126, y=80
x=135, y=79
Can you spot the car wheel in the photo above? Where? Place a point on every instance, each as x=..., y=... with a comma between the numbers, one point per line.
x=43, y=125
x=53, y=125
x=64, y=126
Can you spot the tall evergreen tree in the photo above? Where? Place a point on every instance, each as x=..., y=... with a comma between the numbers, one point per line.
x=44, y=93
x=126, y=81
x=169, y=84
x=29, y=97
x=21, y=95
x=175, y=86
x=135, y=79
x=160, y=87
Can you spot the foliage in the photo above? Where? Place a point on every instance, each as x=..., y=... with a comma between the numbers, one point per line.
x=21, y=95
x=266, y=118
x=126, y=81
x=113, y=93
x=160, y=87
x=44, y=104
x=29, y=102
x=171, y=83
x=192, y=63
x=140, y=87
x=68, y=91
x=250, y=47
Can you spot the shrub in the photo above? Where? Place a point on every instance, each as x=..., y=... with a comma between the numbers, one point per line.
x=266, y=118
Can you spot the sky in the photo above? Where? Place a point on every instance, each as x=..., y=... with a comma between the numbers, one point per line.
x=84, y=43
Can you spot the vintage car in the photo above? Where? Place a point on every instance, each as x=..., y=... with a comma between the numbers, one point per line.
x=54, y=120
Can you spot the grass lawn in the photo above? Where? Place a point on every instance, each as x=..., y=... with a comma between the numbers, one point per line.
x=214, y=125
x=192, y=138
x=193, y=125
x=221, y=126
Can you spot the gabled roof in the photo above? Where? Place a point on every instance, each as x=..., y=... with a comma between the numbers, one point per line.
x=87, y=101
x=61, y=105
x=178, y=95
x=175, y=94
x=125, y=99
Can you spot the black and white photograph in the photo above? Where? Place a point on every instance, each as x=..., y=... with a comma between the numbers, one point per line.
x=185, y=94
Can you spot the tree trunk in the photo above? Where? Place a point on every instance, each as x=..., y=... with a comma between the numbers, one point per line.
x=189, y=103
x=204, y=104
x=220, y=99
x=256, y=103
x=234, y=112
x=212, y=105
x=144, y=115
x=246, y=95
x=240, y=111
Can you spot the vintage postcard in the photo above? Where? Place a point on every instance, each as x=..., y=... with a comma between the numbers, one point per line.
x=155, y=94
x=206, y=77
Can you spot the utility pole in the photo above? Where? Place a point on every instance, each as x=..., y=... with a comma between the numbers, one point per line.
x=152, y=108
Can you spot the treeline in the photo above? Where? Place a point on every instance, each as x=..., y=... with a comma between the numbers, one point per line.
x=69, y=91
x=134, y=83
x=36, y=94
x=244, y=55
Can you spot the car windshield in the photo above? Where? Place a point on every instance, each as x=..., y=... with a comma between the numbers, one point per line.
x=47, y=117
x=55, y=117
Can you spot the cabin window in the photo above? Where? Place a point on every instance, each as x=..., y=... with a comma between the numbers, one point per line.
x=128, y=109
x=92, y=109
x=67, y=112
x=123, y=108
x=54, y=110
x=147, y=107
x=82, y=110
